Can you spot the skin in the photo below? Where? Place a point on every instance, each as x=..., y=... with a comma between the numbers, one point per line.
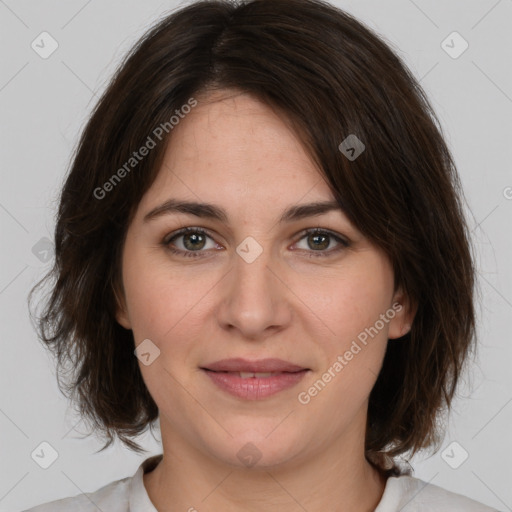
x=239, y=154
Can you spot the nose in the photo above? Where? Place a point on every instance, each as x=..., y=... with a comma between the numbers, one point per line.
x=255, y=297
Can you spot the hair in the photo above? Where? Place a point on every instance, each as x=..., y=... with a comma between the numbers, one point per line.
x=329, y=76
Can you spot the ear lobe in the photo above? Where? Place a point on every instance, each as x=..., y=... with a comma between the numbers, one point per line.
x=122, y=316
x=402, y=322
x=123, y=320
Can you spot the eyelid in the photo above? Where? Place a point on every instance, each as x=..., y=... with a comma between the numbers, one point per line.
x=185, y=231
x=334, y=234
x=342, y=242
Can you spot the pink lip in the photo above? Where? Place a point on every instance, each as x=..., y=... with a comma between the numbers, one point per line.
x=245, y=365
x=224, y=374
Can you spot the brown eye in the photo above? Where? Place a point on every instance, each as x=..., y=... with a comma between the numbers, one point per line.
x=193, y=241
x=318, y=240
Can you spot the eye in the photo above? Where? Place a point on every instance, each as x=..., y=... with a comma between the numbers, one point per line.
x=320, y=239
x=193, y=241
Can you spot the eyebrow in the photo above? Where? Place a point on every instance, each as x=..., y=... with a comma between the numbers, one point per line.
x=211, y=211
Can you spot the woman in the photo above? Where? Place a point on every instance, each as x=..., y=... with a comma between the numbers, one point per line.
x=261, y=244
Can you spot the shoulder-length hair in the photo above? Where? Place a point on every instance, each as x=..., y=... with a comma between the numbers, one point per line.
x=330, y=76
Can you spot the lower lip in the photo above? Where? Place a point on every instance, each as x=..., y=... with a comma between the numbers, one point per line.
x=254, y=388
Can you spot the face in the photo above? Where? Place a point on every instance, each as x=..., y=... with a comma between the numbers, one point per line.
x=252, y=286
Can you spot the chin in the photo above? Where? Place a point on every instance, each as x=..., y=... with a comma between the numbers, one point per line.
x=255, y=448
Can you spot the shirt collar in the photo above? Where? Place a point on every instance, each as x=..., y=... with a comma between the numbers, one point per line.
x=138, y=497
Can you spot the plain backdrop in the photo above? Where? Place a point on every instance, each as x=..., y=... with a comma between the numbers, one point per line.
x=44, y=103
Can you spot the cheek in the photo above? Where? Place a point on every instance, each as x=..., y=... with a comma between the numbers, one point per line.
x=352, y=350
x=347, y=303
x=164, y=301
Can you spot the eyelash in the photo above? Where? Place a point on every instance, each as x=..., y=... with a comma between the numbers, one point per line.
x=196, y=254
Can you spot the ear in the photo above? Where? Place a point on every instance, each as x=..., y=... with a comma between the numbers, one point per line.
x=405, y=312
x=122, y=316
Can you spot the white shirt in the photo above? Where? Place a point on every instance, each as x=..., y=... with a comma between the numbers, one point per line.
x=403, y=493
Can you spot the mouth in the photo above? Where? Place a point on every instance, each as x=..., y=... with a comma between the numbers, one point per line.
x=254, y=380
x=250, y=375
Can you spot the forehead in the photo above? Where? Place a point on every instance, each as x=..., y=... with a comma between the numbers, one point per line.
x=232, y=149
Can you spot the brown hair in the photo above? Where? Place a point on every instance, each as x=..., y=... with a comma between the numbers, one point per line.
x=330, y=76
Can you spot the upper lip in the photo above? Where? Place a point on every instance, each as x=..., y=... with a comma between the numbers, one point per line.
x=245, y=365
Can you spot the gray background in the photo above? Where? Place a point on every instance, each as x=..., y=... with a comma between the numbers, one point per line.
x=44, y=104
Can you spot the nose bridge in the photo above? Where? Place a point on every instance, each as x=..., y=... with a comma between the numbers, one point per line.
x=252, y=276
x=253, y=301
x=251, y=263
